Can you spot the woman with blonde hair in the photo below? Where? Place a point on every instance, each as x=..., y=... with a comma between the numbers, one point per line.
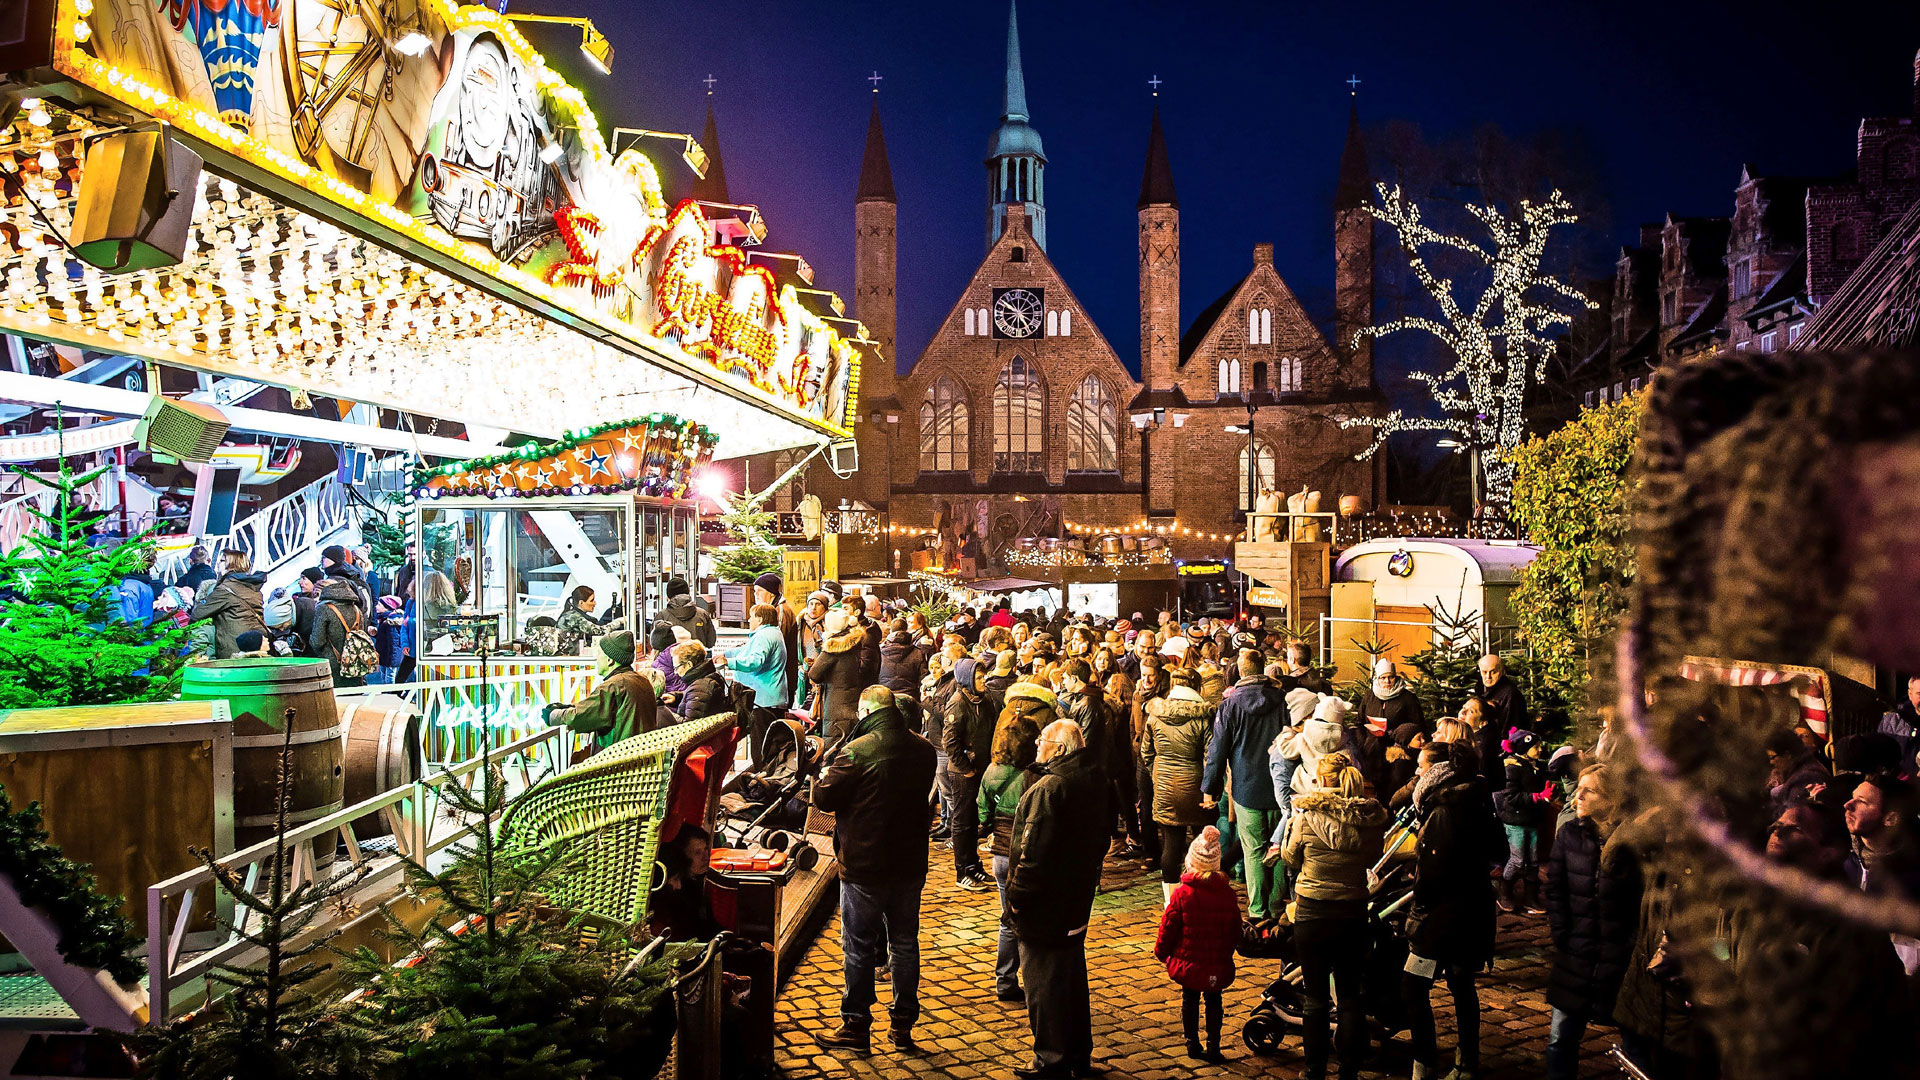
x=1333, y=841
x=234, y=603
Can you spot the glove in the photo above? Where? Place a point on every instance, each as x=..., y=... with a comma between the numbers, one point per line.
x=547, y=714
x=1545, y=794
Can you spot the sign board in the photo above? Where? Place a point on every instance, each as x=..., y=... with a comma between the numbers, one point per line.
x=1266, y=596
x=800, y=573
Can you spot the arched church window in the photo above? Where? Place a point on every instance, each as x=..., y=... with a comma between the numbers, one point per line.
x=1019, y=419
x=944, y=429
x=1093, y=428
x=788, y=497
x=1265, y=467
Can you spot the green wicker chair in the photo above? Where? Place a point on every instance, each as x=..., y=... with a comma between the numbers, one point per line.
x=608, y=811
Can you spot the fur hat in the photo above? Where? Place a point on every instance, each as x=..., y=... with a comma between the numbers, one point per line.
x=618, y=647
x=1203, y=855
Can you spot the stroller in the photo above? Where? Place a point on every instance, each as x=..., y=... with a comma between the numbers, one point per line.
x=766, y=807
x=1283, y=1004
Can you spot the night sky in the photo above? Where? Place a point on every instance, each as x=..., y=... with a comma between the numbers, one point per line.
x=1669, y=99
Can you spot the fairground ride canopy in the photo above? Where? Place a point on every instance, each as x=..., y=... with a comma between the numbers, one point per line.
x=445, y=233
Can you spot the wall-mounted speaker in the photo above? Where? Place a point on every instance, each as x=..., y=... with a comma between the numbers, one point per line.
x=135, y=202
x=843, y=458
x=187, y=430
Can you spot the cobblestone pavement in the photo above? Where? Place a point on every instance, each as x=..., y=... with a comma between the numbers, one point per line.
x=966, y=1033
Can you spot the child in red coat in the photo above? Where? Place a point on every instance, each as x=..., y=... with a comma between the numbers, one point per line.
x=1199, y=930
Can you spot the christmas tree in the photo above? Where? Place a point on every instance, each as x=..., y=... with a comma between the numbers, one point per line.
x=62, y=638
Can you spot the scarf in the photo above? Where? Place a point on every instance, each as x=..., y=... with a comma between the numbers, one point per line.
x=1380, y=690
x=1436, y=775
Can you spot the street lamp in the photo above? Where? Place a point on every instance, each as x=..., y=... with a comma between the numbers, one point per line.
x=1473, y=466
x=1255, y=399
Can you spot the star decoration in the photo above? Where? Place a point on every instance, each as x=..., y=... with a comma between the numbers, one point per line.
x=596, y=463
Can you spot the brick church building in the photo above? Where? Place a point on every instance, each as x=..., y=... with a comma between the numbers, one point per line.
x=1019, y=417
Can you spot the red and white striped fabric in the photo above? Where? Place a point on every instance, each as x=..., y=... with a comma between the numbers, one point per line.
x=1811, y=693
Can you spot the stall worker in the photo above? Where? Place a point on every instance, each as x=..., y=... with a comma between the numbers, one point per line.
x=620, y=707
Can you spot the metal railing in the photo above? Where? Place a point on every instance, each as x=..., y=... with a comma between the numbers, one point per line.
x=423, y=827
x=1483, y=635
x=454, y=708
x=270, y=536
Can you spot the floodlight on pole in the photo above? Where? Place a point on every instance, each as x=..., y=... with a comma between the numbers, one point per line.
x=598, y=50
x=691, y=151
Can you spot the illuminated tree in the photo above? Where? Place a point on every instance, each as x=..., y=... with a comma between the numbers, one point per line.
x=1500, y=338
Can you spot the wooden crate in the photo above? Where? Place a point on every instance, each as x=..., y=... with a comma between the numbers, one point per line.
x=127, y=788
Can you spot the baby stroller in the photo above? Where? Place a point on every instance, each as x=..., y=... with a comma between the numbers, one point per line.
x=767, y=807
x=1283, y=1004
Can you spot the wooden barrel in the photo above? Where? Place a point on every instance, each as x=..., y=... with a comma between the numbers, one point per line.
x=382, y=748
x=260, y=691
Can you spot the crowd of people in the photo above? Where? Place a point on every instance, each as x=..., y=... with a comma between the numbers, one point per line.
x=1218, y=752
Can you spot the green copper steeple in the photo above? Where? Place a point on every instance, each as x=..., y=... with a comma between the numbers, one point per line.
x=1016, y=165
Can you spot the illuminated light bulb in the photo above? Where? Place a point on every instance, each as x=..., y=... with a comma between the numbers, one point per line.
x=81, y=32
x=39, y=117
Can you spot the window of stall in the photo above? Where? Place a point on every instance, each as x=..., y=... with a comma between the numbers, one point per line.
x=522, y=566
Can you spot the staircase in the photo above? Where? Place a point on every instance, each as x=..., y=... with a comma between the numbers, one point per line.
x=282, y=539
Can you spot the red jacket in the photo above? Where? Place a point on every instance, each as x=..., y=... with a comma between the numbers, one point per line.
x=1002, y=617
x=1199, y=931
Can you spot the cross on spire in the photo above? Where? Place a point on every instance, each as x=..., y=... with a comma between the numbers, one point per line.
x=1353, y=85
x=709, y=80
x=1155, y=83
x=875, y=80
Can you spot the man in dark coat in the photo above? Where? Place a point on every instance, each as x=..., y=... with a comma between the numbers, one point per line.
x=1593, y=909
x=869, y=643
x=902, y=666
x=681, y=611
x=876, y=788
x=1246, y=725
x=1450, y=929
x=1298, y=672
x=1505, y=709
x=1086, y=706
x=1059, y=841
x=972, y=711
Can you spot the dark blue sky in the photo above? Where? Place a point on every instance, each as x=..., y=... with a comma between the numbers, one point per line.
x=1671, y=98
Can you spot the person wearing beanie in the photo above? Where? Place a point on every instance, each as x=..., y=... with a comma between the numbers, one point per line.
x=768, y=589
x=1173, y=753
x=1199, y=930
x=835, y=673
x=621, y=706
x=1403, y=752
x=1388, y=703
x=681, y=611
x=1520, y=807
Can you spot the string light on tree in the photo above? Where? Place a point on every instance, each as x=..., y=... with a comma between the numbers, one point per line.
x=1500, y=339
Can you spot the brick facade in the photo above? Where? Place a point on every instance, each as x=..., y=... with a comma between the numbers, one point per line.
x=1845, y=219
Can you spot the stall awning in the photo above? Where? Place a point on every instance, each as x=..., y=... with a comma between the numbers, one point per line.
x=1008, y=584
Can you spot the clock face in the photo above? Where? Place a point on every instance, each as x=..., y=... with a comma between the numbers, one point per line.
x=1017, y=313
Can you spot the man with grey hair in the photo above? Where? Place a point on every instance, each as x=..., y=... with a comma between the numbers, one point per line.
x=877, y=787
x=1505, y=709
x=1054, y=859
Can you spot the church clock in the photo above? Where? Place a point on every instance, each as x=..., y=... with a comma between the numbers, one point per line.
x=1018, y=313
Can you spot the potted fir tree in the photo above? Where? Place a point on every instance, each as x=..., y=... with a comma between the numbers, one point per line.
x=752, y=554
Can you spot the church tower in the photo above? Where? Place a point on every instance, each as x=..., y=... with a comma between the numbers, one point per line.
x=1353, y=260
x=1016, y=166
x=874, y=212
x=1159, y=212
x=712, y=187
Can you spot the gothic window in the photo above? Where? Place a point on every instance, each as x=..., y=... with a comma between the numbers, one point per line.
x=1253, y=326
x=1264, y=470
x=1299, y=374
x=1019, y=419
x=1290, y=371
x=943, y=429
x=1018, y=254
x=1053, y=324
x=1093, y=428
x=1259, y=374
x=1266, y=326
x=1066, y=322
x=980, y=320
x=970, y=323
x=1224, y=381
x=788, y=497
x=1233, y=375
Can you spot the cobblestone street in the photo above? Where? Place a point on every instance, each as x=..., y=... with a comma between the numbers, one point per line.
x=965, y=1032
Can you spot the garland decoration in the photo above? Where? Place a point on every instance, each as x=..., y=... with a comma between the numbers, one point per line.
x=654, y=455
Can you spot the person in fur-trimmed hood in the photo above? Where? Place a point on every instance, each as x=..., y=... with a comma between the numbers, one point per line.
x=1173, y=752
x=836, y=672
x=1334, y=839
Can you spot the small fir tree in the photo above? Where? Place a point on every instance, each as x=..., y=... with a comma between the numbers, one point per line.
x=62, y=641
x=753, y=551
x=274, y=1024
x=504, y=989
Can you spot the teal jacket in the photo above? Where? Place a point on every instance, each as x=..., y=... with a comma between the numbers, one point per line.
x=760, y=664
x=1000, y=791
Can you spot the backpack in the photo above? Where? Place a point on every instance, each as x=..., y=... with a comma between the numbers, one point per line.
x=357, y=656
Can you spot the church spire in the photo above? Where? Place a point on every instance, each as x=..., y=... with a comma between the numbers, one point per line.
x=712, y=187
x=876, y=176
x=1354, y=188
x=1156, y=181
x=1014, y=102
x=1016, y=165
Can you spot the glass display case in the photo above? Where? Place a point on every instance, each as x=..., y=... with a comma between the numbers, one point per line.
x=525, y=564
